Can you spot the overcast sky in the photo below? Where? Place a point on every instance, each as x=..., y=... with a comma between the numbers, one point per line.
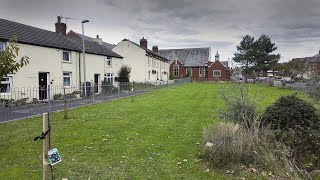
x=294, y=25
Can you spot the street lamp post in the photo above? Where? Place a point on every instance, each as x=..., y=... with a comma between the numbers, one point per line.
x=84, y=60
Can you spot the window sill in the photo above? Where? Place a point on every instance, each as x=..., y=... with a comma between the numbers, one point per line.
x=68, y=62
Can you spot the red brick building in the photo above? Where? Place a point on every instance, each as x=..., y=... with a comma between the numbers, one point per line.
x=195, y=63
x=315, y=63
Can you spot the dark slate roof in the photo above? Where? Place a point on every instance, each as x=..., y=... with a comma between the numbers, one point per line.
x=149, y=51
x=95, y=48
x=225, y=63
x=34, y=36
x=40, y=37
x=107, y=45
x=189, y=57
x=313, y=59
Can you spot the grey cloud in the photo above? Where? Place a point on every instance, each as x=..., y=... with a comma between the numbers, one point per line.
x=186, y=23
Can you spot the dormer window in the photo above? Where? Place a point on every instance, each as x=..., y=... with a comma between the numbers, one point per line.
x=66, y=56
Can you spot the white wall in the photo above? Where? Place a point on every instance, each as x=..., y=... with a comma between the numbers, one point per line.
x=25, y=82
x=135, y=57
x=42, y=59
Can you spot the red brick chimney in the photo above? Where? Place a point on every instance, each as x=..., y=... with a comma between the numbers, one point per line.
x=155, y=49
x=144, y=43
x=61, y=28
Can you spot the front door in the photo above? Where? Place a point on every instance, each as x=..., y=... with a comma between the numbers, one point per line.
x=96, y=83
x=43, y=84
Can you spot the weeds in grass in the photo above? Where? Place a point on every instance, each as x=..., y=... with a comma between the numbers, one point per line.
x=228, y=143
x=241, y=140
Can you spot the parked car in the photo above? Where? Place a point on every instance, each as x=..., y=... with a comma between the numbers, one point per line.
x=287, y=79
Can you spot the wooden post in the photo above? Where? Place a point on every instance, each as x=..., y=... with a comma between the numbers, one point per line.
x=65, y=103
x=45, y=174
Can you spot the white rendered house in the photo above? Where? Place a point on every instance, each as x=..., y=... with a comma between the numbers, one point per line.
x=147, y=66
x=54, y=59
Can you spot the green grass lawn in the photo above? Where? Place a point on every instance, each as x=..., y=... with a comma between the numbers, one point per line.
x=157, y=135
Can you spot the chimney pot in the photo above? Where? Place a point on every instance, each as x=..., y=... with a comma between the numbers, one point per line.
x=155, y=49
x=144, y=43
x=61, y=28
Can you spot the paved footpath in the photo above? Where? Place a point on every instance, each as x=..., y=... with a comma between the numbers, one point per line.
x=15, y=113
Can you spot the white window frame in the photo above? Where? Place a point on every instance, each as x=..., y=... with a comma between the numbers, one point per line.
x=149, y=61
x=190, y=71
x=69, y=56
x=202, y=69
x=109, y=78
x=214, y=73
x=66, y=74
x=2, y=46
x=149, y=75
x=9, y=82
x=109, y=62
x=174, y=70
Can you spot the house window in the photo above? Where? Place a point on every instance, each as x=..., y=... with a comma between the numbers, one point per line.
x=149, y=61
x=202, y=72
x=66, y=56
x=189, y=72
x=109, y=78
x=67, y=78
x=176, y=70
x=109, y=62
x=6, y=84
x=149, y=73
x=2, y=46
x=216, y=73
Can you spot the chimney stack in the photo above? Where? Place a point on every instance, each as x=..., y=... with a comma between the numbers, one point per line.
x=144, y=43
x=98, y=40
x=61, y=28
x=155, y=49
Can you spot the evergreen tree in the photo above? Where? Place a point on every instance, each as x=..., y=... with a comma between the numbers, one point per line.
x=255, y=55
x=124, y=74
x=244, y=54
x=263, y=59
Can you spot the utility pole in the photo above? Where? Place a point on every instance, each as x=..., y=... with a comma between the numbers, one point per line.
x=45, y=174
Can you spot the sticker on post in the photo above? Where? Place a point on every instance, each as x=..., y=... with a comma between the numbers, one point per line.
x=54, y=156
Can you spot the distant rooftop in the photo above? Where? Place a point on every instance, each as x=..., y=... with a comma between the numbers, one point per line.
x=188, y=56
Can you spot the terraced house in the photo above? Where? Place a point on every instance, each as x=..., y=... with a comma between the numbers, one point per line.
x=147, y=66
x=196, y=64
x=54, y=59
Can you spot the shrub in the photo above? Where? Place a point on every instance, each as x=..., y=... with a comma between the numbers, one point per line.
x=57, y=96
x=230, y=144
x=240, y=107
x=313, y=89
x=124, y=74
x=106, y=88
x=295, y=123
x=171, y=77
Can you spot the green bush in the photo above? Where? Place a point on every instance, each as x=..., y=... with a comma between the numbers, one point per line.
x=57, y=96
x=171, y=77
x=295, y=123
x=229, y=145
